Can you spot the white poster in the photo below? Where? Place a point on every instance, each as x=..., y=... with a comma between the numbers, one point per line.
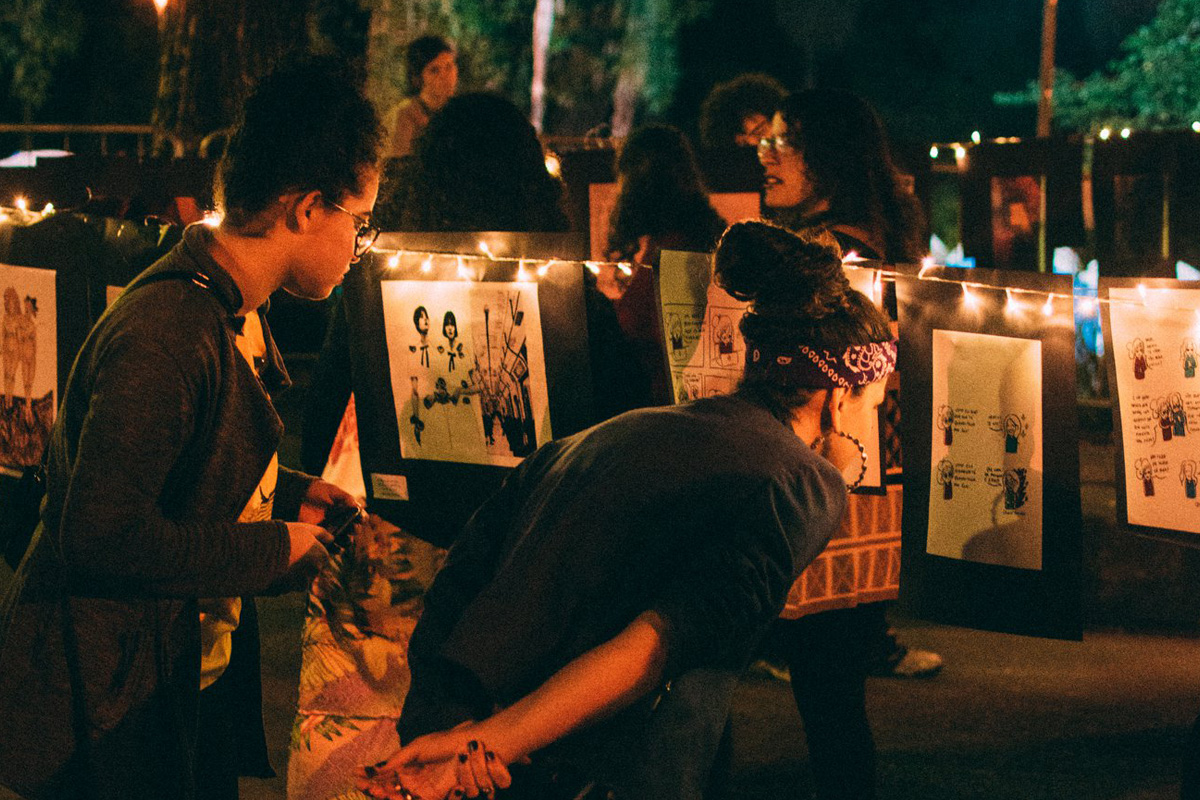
x=28, y=364
x=985, y=499
x=468, y=372
x=1155, y=340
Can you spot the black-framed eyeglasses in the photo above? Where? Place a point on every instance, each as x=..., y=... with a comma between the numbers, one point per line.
x=776, y=145
x=366, y=234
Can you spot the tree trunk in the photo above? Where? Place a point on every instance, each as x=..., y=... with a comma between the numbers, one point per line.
x=543, y=27
x=212, y=52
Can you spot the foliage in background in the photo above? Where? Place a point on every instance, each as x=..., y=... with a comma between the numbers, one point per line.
x=34, y=36
x=1154, y=84
x=595, y=43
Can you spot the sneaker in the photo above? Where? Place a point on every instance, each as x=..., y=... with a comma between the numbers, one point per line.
x=914, y=663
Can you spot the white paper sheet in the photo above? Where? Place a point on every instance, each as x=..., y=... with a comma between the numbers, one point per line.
x=985, y=499
x=28, y=363
x=1155, y=344
x=468, y=370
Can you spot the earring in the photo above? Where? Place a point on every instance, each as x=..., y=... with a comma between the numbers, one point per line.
x=862, y=454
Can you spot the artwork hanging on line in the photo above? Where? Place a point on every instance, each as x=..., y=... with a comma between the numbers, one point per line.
x=28, y=363
x=985, y=498
x=1154, y=336
x=467, y=369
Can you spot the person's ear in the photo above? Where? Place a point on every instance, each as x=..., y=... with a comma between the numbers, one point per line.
x=832, y=408
x=301, y=210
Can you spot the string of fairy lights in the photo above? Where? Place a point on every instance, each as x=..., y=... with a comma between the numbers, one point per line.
x=472, y=266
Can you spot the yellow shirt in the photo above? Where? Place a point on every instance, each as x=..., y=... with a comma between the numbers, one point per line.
x=219, y=616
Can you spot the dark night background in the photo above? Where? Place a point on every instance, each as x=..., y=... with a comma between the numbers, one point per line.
x=930, y=66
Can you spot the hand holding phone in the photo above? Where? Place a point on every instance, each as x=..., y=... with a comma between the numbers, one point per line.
x=339, y=521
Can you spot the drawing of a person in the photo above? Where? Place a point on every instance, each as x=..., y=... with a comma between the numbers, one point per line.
x=1142, y=469
x=1189, y=358
x=421, y=323
x=1178, y=415
x=1165, y=422
x=10, y=348
x=945, y=476
x=1015, y=493
x=1187, y=476
x=1012, y=433
x=676, y=333
x=27, y=348
x=1137, y=351
x=723, y=339
x=453, y=347
x=945, y=421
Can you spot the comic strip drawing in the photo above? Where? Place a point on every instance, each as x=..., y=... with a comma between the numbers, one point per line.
x=726, y=352
x=1187, y=477
x=1157, y=407
x=1137, y=352
x=993, y=471
x=945, y=476
x=28, y=364
x=945, y=421
x=421, y=323
x=480, y=397
x=675, y=328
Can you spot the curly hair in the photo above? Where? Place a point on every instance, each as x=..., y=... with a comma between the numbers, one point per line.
x=729, y=103
x=306, y=127
x=478, y=166
x=661, y=193
x=848, y=158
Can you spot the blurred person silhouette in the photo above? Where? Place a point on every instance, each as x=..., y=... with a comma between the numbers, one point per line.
x=431, y=70
x=829, y=171
x=661, y=205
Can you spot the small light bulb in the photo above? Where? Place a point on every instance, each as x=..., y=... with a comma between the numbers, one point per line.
x=463, y=272
x=553, y=165
x=1048, y=307
x=975, y=137
x=1011, y=306
x=1141, y=287
x=1087, y=306
x=1125, y=133
x=960, y=152
x=522, y=273
x=969, y=298
x=625, y=268
x=393, y=261
x=212, y=219
x=487, y=251
x=427, y=264
x=161, y=5
x=49, y=209
x=1105, y=133
x=933, y=151
x=543, y=269
x=22, y=204
x=1196, y=126
x=593, y=267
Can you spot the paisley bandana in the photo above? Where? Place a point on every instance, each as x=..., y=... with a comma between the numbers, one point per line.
x=809, y=368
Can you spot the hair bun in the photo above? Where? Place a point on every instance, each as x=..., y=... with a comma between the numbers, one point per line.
x=779, y=272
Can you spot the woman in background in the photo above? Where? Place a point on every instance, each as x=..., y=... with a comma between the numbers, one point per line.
x=829, y=171
x=431, y=69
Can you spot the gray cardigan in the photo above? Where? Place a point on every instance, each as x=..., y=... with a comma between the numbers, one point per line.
x=163, y=433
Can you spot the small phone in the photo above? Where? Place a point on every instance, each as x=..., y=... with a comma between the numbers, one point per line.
x=339, y=521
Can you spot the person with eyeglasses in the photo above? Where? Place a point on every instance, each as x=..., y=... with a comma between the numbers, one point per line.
x=129, y=657
x=829, y=172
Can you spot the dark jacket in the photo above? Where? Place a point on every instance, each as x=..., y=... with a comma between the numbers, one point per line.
x=163, y=433
x=704, y=512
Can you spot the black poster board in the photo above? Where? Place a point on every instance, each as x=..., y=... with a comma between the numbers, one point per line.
x=989, y=596
x=1131, y=186
x=441, y=495
x=1166, y=453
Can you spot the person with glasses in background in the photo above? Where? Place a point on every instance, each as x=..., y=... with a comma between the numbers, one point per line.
x=829, y=171
x=129, y=664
